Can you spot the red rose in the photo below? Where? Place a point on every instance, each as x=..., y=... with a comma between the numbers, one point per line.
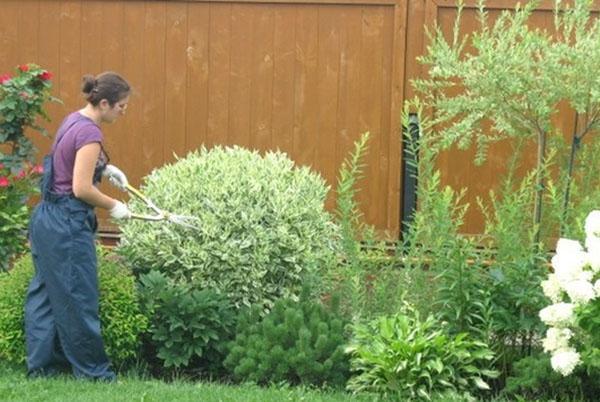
x=4, y=181
x=4, y=78
x=37, y=169
x=21, y=174
x=45, y=76
x=24, y=68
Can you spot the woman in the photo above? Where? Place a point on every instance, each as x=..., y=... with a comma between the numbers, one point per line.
x=62, y=326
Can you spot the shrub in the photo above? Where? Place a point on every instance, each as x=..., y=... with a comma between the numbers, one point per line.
x=122, y=322
x=262, y=225
x=401, y=355
x=534, y=379
x=14, y=213
x=297, y=342
x=189, y=327
x=22, y=97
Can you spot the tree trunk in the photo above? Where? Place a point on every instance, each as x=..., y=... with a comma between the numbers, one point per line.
x=539, y=188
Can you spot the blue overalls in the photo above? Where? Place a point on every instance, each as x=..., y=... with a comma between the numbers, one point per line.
x=62, y=325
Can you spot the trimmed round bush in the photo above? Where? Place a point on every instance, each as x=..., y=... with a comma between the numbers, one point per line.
x=120, y=316
x=261, y=231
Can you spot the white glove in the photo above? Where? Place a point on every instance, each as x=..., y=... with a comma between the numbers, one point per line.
x=120, y=211
x=116, y=177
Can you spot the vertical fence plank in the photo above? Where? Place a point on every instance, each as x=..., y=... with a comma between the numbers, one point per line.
x=28, y=25
x=240, y=74
x=284, y=49
x=134, y=133
x=306, y=86
x=261, y=89
x=176, y=80
x=153, y=118
x=371, y=65
x=328, y=73
x=349, y=100
x=219, y=71
x=49, y=58
x=92, y=49
x=197, y=75
x=394, y=186
x=111, y=59
x=386, y=132
x=9, y=36
x=70, y=55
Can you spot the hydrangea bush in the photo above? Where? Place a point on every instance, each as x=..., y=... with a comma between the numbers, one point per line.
x=573, y=320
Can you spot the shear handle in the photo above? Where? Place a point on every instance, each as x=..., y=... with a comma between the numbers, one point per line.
x=148, y=217
x=146, y=200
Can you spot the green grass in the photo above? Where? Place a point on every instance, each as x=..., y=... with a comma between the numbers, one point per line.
x=15, y=386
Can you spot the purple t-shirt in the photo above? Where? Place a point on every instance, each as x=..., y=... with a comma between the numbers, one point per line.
x=75, y=131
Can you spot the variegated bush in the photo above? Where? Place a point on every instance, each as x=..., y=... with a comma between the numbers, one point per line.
x=262, y=226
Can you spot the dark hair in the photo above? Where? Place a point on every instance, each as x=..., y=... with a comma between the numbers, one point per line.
x=108, y=85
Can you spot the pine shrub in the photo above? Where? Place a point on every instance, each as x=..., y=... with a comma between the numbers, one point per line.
x=296, y=343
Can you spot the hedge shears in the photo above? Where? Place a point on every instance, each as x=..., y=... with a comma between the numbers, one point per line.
x=190, y=222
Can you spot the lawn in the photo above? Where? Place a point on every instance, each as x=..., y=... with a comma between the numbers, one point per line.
x=15, y=386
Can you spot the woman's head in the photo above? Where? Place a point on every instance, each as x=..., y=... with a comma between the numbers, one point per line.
x=108, y=92
x=110, y=86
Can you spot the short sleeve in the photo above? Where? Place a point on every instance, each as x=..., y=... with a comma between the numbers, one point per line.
x=87, y=134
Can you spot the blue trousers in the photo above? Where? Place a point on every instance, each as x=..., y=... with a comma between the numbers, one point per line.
x=62, y=324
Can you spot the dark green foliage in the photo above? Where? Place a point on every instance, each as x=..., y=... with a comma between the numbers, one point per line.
x=189, y=327
x=534, y=379
x=297, y=343
x=122, y=322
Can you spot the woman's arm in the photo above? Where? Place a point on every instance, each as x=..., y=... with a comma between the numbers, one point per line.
x=83, y=176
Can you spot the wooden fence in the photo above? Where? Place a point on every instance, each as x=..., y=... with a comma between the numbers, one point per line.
x=304, y=76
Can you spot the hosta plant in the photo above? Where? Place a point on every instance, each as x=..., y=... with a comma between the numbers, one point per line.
x=262, y=227
x=406, y=357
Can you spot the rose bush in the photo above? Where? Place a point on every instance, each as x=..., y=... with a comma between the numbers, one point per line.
x=15, y=188
x=22, y=97
x=573, y=336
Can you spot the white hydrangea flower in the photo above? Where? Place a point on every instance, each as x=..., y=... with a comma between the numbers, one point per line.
x=568, y=246
x=592, y=224
x=558, y=315
x=592, y=244
x=580, y=291
x=564, y=361
x=552, y=288
x=568, y=266
x=593, y=260
x=557, y=339
x=597, y=288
